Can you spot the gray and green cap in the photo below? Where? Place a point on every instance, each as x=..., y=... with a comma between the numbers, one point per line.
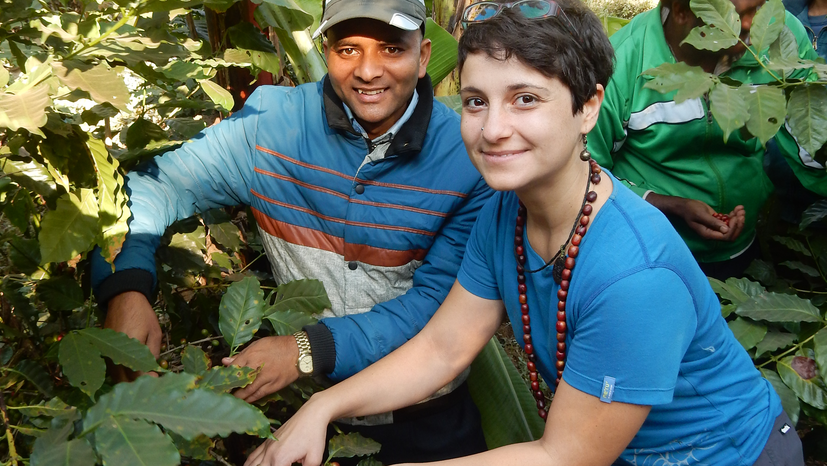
x=404, y=14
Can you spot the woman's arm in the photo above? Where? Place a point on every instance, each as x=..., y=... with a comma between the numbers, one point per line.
x=447, y=345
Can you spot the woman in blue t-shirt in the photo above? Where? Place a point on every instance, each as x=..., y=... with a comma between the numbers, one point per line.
x=602, y=293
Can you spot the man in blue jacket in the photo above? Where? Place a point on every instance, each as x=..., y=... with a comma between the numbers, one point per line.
x=360, y=181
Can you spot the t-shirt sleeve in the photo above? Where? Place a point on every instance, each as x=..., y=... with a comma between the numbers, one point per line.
x=636, y=331
x=476, y=274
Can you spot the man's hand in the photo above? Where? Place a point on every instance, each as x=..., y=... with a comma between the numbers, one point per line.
x=701, y=217
x=132, y=314
x=278, y=356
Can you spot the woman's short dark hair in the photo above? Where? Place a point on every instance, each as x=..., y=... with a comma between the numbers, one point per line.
x=580, y=58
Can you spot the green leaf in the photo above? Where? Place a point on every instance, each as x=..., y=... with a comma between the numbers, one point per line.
x=369, y=461
x=227, y=235
x=17, y=210
x=142, y=132
x=785, y=47
x=814, y=213
x=729, y=108
x=709, y=38
x=197, y=448
x=101, y=82
x=507, y=408
x=218, y=95
x=121, y=349
x=70, y=229
x=171, y=402
x=53, y=408
x=31, y=175
x=82, y=364
x=789, y=400
x=25, y=254
x=444, y=51
x=767, y=25
x=62, y=293
x=777, y=307
x=350, y=445
x=773, y=341
x=794, y=244
x=767, y=111
x=240, y=312
x=76, y=452
x=37, y=376
x=25, y=110
x=747, y=332
x=762, y=271
x=98, y=113
x=801, y=267
x=183, y=70
x=307, y=296
x=728, y=309
x=112, y=201
x=124, y=442
x=289, y=322
x=195, y=360
x=691, y=82
x=736, y=290
x=720, y=14
x=4, y=76
x=820, y=343
x=224, y=379
x=807, y=390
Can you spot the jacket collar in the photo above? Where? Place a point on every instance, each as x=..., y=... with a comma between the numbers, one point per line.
x=411, y=136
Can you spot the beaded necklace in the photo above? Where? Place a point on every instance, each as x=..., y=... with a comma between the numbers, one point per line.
x=581, y=225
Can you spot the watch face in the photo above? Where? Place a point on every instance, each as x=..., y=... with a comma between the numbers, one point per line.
x=306, y=364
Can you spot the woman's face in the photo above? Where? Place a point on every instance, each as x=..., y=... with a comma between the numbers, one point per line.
x=517, y=123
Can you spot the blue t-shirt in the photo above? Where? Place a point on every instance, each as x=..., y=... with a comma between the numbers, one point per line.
x=639, y=310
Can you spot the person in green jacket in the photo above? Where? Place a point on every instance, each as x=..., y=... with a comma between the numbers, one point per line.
x=674, y=155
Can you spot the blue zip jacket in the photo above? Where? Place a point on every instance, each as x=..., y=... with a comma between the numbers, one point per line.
x=386, y=238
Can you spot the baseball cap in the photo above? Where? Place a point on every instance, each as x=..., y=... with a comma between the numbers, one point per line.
x=404, y=14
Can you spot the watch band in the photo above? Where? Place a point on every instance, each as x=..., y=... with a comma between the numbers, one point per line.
x=305, y=360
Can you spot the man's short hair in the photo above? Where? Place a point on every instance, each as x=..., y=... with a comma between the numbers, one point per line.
x=581, y=57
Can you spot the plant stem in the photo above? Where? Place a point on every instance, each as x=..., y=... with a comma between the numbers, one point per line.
x=219, y=458
x=203, y=340
x=13, y=457
x=809, y=291
x=794, y=348
x=121, y=22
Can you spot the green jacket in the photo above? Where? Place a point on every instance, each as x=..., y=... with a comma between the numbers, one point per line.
x=655, y=145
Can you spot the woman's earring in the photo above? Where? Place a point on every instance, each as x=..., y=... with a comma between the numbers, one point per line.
x=482, y=129
x=585, y=155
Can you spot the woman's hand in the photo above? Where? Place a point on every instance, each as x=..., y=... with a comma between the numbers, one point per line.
x=299, y=440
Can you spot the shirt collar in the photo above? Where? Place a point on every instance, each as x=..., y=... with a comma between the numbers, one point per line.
x=388, y=135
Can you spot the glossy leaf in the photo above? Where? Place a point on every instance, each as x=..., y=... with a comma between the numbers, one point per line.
x=82, y=364
x=767, y=110
x=709, y=38
x=507, y=409
x=197, y=448
x=775, y=340
x=795, y=244
x=171, y=402
x=814, y=213
x=736, y=290
x=691, y=82
x=785, y=47
x=777, y=307
x=307, y=296
x=101, y=82
x=25, y=254
x=444, y=51
x=70, y=229
x=240, y=312
x=729, y=108
x=747, y=332
x=227, y=235
x=302, y=53
x=224, y=379
x=142, y=132
x=218, y=95
x=289, y=322
x=767, y=25
x=762, y=271
x=801, y=267
x=26, y=110
x=807, y=390
x=195, y=360
x=112, y=201
x=789, y=400
x=76, y=452
x=718, y=13
x=808, y=116
x=52, y=408
x=120, y=348
x=31, y=175
x=62, y=293
x=37, y=376
x=123, y=442
x=820, y=350
x=350, y=445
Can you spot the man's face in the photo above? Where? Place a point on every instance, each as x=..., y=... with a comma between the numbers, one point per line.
x=374, y=67
x=746, y=10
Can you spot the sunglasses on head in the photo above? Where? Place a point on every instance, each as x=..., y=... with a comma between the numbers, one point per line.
x=530, y=9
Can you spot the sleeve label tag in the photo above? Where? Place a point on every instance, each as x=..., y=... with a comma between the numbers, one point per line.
x=608, y=389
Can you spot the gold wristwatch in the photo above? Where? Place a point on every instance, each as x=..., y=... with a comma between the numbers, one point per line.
x=305, y=362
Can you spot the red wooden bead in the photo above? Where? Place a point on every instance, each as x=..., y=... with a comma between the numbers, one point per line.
x=524, y=308
x=520, y=250
x=584, y=220
x=541, y=403
x=566, y=275
x=530, y=357
x=520, y=268
x=520, y=221
x=596, y=178
x=518, y=241
x=561, y=346
x=526, y=328
x=561, y=327
x=521, y=259
x=532, y=367
x=539, y=394
x=561, y=305
x=518, y=230
x=592, y=196
x=535, y=385
x=561, y=295
x=529, y=348
x=561, y=315
x=522, y=299
x=581, y=230
x=561, y=336
x=573, y=251
x=569, y=263
x=561, y=356
x=559, y=375
x=557, y=381
x=542, y=413
x=561, y=365
x=587, y=209
x=564, y=284
x=526, y=338
x=526, y=319
x=520, y=278
x=575, y=240
x=532, y=376
x=521, y=288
